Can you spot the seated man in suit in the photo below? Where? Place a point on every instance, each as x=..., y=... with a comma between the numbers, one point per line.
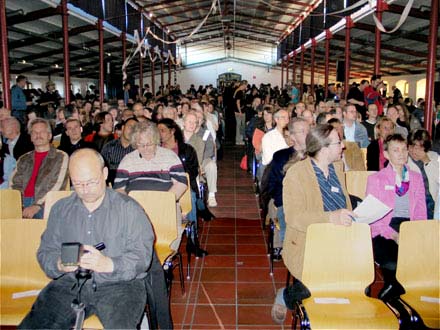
x=17, y=143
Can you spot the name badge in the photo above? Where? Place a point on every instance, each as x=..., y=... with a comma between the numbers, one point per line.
x=388, y=187
x=335, y=189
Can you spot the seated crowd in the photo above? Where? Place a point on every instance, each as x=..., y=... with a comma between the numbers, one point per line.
x=300, y=146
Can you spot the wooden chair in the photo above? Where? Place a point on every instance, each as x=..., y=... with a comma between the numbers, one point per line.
x=357, y=182
x=52, y=197
x=338, y=266
x=160, y=207
x=418, y=269
x=185, y=200
x=364, y=155
x=10, y=204
x=21, y=275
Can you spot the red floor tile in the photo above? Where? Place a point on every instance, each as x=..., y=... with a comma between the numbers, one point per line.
x=218, y=275
x=219, y=261
x=253, y=261
x=214, y=315
x=254, y=275
x=251, y=249
x=255, y=315
x=218, y=249
x=217, y=293
x=221, y=239
x=255, y=293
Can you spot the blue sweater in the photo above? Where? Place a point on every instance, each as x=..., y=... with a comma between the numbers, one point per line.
x=18, y=99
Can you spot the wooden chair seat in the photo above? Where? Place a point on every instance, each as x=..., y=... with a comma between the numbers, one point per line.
x=93, y=323
x=418, y=268
x=20, y=271
x=361, y=313
x=429, y=311
x=338, y=263
x=10, y=204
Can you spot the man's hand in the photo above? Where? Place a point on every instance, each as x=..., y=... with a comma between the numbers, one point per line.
x=65, y=269
x=30, y=211
x=342, y=217
x=95, y=260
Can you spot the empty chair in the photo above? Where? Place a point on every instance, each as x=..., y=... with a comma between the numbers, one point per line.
x=21, y=275
x=357, y=182
x=338, y=266
x=160, y=207
x=418, y=268
x=52, y=197
x=10, y=204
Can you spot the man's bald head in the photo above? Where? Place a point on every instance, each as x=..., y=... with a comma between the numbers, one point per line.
x=86, y=157
x=88, y=174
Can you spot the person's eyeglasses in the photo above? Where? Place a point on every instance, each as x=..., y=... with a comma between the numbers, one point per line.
x=88, y=184
x=334, y=143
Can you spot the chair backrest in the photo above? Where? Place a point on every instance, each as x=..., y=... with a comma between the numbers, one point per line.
x=10, y=204
x=357, y=182
x=20, y=271
x=418, y=259
x=160, y=207
x=338, y=258
x=364, y=155
x=185, y=200
x=52, y=197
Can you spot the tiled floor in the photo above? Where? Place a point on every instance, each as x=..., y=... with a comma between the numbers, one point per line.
x=231, y=288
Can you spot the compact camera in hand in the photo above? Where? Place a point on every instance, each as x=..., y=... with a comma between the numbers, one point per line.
x=72, y=252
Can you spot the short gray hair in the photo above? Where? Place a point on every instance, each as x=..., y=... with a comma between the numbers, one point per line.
x=39, y=121
x=145, y=127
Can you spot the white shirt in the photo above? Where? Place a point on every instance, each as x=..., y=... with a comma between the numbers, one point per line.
x=272, y=142
x=349, y=132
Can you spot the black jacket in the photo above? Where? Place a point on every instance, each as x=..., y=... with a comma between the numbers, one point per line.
x=188, y=157
x=23, y=145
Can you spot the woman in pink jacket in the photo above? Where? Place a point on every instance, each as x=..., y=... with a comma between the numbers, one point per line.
x=403, y=190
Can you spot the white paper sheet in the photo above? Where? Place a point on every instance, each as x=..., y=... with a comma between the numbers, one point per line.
x=337, y=301
x=24, y=294
x=370, y=210
x=434, y=300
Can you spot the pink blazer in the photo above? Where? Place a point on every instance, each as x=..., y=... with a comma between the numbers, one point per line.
x=381, y=185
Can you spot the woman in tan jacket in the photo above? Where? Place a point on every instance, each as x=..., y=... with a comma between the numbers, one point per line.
x=313, y=192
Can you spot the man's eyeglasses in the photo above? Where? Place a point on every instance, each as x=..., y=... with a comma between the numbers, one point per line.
x=334, y=143
x=88, y=184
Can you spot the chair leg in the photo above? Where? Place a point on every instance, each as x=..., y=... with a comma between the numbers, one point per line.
x=182, y=280
x=168, y=270
x=188, y=251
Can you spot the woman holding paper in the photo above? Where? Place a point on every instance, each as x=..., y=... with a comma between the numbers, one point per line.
x=402, y=190
x=313, y=192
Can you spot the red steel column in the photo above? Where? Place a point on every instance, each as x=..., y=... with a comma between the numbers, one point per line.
x=294, y=68
x=66, y=52
x=141, y=64
x=430, y=70
x=5, y=56
x=282, y=73
x=169, y=70
x=348, y=26
x=287, y=69
x=153, y=86
x=101, y=60
x=312, y=67
x=380, y=7
x=301, y=89
x=328, y=36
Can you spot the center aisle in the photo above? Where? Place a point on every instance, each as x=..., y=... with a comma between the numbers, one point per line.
x=231, y=288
